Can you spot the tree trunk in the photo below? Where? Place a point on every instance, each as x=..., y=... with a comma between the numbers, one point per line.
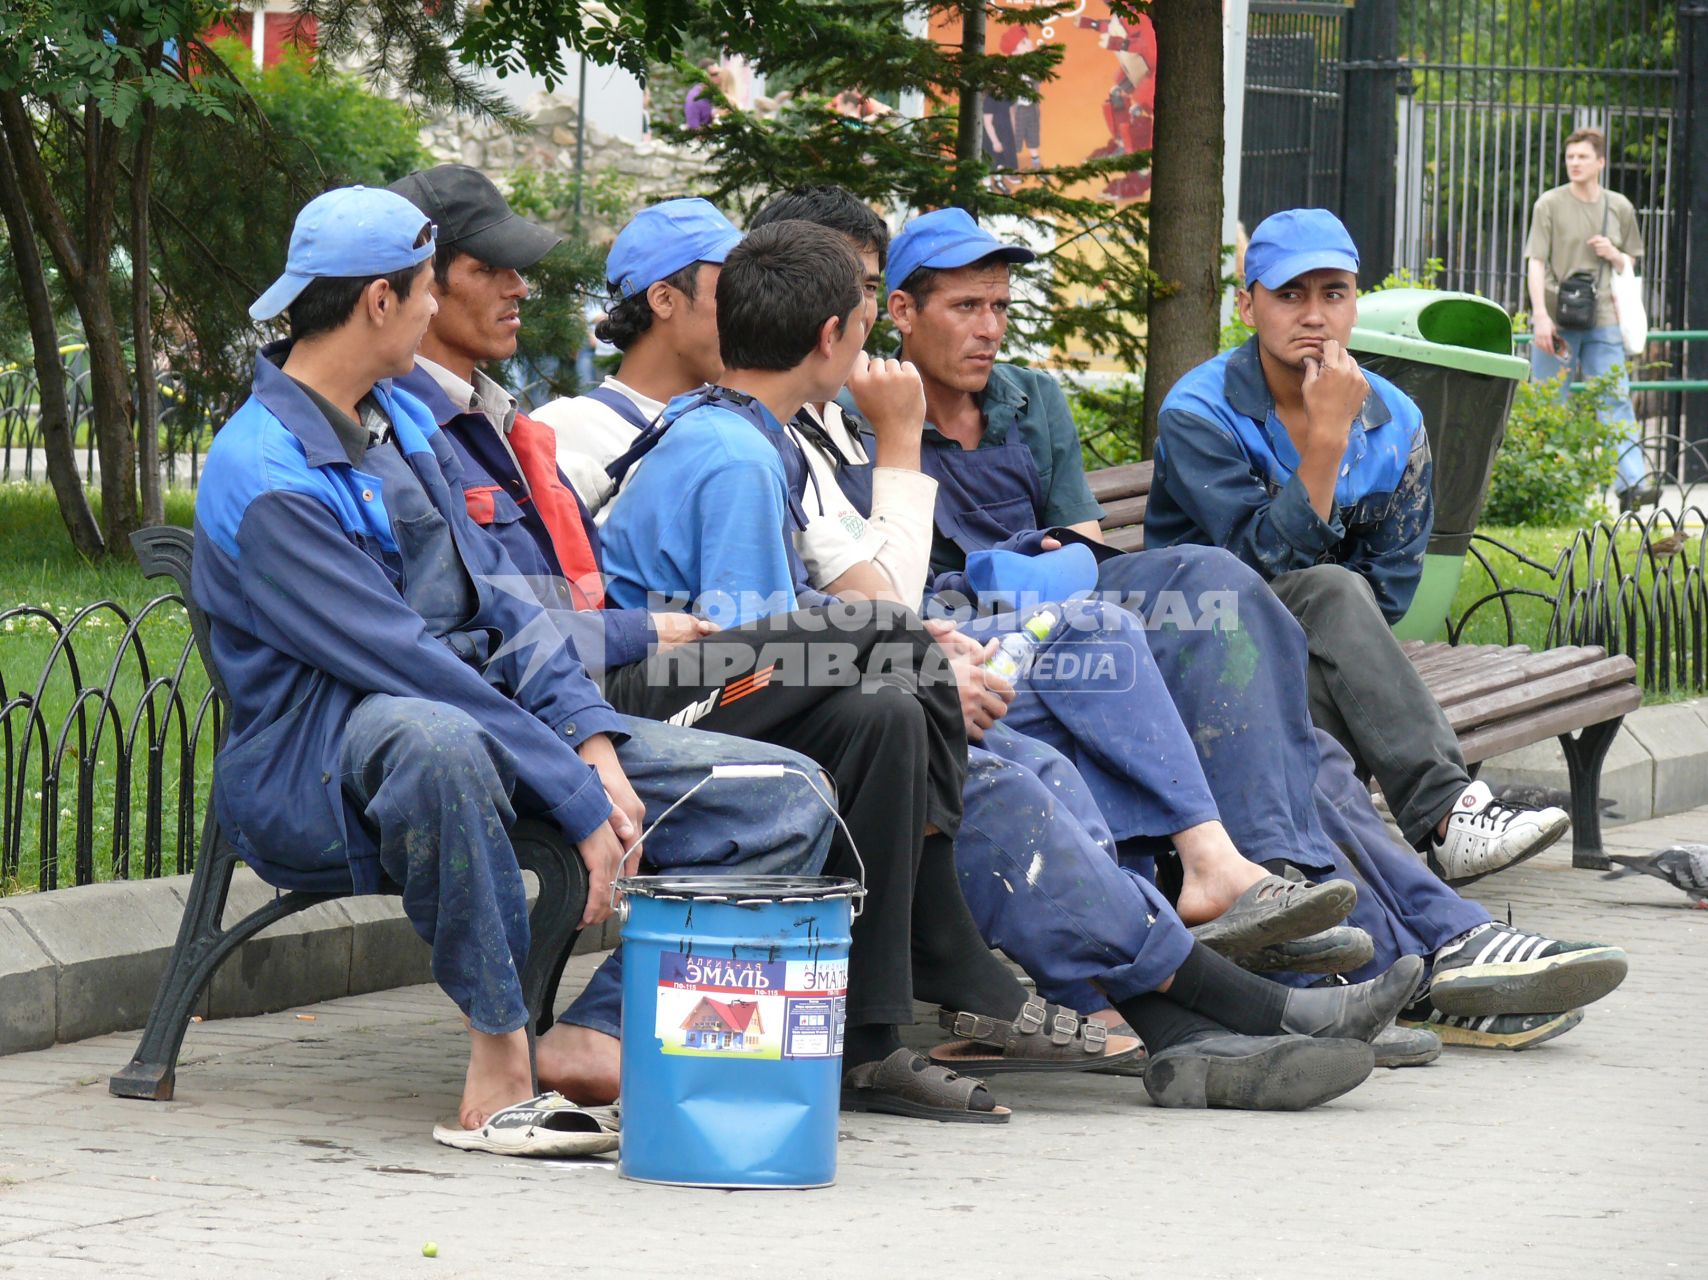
x=110, y=389
x=969, y=123
x=1183, y=321
x=53, y=412
x=142, y=322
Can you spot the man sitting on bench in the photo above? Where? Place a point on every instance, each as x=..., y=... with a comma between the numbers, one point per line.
x=393, y=708
x=1317, y=475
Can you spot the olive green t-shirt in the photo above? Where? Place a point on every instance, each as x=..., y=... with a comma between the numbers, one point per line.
x=1560, y=230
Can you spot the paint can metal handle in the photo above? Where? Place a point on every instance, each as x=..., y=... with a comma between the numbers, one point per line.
x=733, y=772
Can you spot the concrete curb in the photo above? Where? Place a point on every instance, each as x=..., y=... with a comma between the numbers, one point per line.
x=1657, y=765
x=87, y=961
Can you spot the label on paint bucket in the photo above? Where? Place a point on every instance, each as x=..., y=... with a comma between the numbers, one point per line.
x=762, y=1011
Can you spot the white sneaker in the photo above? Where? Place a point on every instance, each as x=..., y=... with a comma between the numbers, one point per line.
x=1485, y=836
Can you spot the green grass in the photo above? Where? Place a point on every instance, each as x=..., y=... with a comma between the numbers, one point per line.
x=40, y=570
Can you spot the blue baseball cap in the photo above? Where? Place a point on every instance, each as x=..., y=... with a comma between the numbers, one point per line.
x=661, y=240
x=943, y=240
x=1009, y=580
x=350, y=231
x=1294, y=241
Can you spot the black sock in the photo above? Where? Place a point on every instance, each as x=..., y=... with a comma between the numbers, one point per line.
x=1216, y=987
x=1162, y=1024
x=952, y=964
x=869, y=1042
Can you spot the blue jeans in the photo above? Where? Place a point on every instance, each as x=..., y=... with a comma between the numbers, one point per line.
x=1589, y=354
x=435, y=787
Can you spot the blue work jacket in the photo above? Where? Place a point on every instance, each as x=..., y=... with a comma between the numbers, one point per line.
x=603, y=638
x=1226, y=476
x=299, y=570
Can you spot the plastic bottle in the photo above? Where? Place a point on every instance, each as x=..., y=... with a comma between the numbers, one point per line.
x=1016, y=650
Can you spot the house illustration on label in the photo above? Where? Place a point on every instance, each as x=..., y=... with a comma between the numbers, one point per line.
x=719, y=1024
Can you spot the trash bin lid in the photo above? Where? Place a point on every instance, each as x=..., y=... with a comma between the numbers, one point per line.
x=1438, y=327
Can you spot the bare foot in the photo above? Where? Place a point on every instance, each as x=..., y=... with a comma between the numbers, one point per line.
x=498, y=1076
x=1213, y=872
x=583, y=1065
x=1108, y=1017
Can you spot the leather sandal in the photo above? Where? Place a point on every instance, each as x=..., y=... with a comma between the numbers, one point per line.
x=1042, y=1038
x=908, y=1084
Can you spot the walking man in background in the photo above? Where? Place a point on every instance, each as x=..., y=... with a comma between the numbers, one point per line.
x=1581, y=234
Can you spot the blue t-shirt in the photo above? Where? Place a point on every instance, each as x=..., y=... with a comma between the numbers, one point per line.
x=704, y=520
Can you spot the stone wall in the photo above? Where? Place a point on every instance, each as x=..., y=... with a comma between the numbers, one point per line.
x=651, y=168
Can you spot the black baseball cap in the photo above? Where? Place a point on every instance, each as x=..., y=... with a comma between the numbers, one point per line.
x=473, y=218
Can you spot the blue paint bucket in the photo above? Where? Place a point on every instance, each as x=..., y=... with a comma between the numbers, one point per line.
x=733, y=1002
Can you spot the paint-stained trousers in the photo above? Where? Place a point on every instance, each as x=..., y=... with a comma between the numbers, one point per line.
x=434, y=788
x=1182, y=707
x=1232, y=660
x=1037, y=866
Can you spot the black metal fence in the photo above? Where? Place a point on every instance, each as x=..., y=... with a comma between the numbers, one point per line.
x=1637, y=585
x=1291, y=142
x=184, y=435
x=107, y=732
x=1474, y=99
x=1487, y=98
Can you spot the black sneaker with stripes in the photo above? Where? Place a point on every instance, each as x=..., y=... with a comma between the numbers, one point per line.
x=1510, y=1031
x=1497, y=969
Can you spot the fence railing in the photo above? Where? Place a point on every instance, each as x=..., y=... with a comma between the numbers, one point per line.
x=108, y=726
x=1636, y=585
x=184, y=435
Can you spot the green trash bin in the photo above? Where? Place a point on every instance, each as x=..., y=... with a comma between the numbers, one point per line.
x=1452, y=354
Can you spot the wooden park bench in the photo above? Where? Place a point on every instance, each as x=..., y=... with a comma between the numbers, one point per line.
x=203, y=942
x=1497, y=697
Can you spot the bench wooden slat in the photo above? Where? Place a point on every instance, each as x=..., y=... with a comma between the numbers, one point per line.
x=1123, y=513
x=1129, y=539
x=1568, y=717
x=1453, y=686
x=1561, y=687
x=1130, y=481
x=1446, y=668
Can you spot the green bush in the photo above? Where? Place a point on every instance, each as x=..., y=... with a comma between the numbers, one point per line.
x=1556, y=454
x=1110, y=420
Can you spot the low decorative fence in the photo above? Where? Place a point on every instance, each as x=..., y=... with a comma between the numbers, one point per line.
x=107, y=728
x=1637, y=586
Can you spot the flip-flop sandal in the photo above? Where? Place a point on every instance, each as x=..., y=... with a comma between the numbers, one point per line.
x=908, y=1084
x=549, y=1126
x=1043, y=1038
x=1275, y=910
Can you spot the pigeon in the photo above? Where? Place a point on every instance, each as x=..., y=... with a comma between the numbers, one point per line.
x=1533, y=795
x=1683, y=866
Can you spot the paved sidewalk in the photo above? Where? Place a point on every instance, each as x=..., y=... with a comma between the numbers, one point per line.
x=302, y=1148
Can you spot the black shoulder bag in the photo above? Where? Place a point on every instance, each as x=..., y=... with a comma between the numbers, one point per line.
x=1578, y=291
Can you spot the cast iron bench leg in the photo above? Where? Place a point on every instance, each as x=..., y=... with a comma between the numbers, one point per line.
x=1584, y=755
x=201, y=946
x=556, y=918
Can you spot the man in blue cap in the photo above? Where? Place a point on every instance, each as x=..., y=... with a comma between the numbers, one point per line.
x=662, y=273
x=1002, y=446
x=1316, y=473
x=393, y=704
